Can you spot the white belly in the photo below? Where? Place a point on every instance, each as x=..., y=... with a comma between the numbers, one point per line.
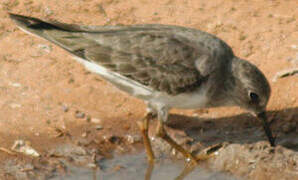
x=194, y=100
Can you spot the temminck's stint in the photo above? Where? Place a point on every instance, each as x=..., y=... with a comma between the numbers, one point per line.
x=166, y=66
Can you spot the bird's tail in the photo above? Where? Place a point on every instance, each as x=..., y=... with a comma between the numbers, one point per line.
x=35, y=25
x=31, y=25
x=68, y=36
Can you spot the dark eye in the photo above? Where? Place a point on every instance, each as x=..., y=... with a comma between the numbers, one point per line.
x=254, y=97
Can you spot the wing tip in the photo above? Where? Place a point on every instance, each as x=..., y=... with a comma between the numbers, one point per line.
x=13, y=16
x=19, y=19
x=27, y=22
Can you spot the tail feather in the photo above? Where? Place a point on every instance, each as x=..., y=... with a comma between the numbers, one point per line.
x=30, y=24
x=67, y=36
x=37, y=24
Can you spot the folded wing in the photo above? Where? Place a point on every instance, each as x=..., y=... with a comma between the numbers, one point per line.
x=152, y=55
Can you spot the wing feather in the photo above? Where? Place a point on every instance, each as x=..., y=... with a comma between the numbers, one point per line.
x=157, y=56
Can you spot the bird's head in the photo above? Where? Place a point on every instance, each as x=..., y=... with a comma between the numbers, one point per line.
x=251, y=88
x=251, y=91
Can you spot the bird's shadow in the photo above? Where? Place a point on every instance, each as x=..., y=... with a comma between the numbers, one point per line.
x=240, y=129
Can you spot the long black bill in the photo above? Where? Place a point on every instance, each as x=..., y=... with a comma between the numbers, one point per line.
x=266, y=127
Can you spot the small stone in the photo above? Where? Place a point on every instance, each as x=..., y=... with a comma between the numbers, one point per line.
x=84, y=134
x=48, y=11
x=98, y=127
x=96, y=120
x=91, y=165
x=65, y=108
x=45, y=47
x=242, y=37
x=15, y=84
x=131, y=139
x=79, y=114
x=294, y=46
x=246, y=52
x=88, y=118
x=24, y=147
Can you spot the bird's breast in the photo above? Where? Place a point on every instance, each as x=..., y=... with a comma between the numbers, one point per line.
x=189, y=100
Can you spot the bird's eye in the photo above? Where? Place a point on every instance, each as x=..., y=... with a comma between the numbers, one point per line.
x=254, y=97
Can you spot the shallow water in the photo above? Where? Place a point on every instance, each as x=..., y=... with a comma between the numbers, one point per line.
x=134, y=167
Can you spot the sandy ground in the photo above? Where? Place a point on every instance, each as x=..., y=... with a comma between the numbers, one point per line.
x=49, y=100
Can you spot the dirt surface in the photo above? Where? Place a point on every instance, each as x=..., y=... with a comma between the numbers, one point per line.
x=50, y=101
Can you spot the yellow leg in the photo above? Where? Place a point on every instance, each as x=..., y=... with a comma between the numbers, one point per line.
x=149, y=171
x=188, y=168
x=162, y=117
x=144, y=125
x=163, y=134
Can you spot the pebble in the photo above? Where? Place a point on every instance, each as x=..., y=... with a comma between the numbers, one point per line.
x=84, y=134
x=65, y=108
x=294, y=46
x=25, y=148
x=98, y=127
x=15, y=84
x=45, y=47
x=96, y=120
x=131, y=139
x=48, y=11
x=88, y=118
x=79, y=114
x=91, y=165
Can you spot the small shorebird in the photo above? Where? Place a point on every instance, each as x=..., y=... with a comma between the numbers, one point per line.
x=166, y=66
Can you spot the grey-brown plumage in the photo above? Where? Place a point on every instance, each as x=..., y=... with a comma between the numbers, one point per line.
x=173, y=66
x=158, y=56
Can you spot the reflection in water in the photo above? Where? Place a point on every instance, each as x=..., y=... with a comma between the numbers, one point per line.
x=149, y=171
x=188, y=168
x=135, y=167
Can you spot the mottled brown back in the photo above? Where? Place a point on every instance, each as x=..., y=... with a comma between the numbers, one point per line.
x=157, y=56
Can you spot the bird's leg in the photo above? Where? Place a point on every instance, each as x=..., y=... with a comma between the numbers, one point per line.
x=144, y=126
x=188, y=168
x=163, y=134
x=162, y=117
x=149, y=171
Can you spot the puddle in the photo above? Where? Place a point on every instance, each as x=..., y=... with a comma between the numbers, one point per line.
x=134, y=167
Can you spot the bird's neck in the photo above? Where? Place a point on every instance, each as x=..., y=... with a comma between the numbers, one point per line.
x=231, y=82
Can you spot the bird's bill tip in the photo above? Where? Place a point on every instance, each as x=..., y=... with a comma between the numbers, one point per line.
x=262, y=116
